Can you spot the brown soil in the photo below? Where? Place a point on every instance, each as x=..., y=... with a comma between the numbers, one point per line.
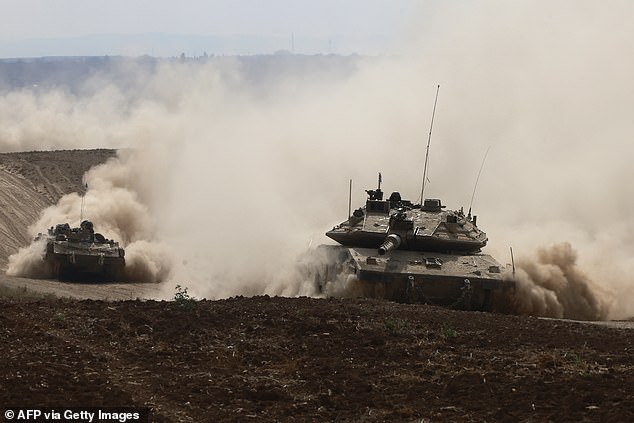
x=301, y=359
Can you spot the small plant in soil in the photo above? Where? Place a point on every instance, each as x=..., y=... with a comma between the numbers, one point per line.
x=183, y=299
x=395, y=325
x=448, y=331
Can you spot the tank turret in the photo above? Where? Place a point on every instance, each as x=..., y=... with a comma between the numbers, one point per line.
x=427, y=227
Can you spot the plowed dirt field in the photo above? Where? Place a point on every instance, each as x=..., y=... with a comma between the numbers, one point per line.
x=301, y=359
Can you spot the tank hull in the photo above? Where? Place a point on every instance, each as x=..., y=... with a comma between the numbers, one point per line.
x=80, y=260
x=469, y=282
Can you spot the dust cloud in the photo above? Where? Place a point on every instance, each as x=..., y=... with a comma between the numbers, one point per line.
x=111, y=202
x=230, y=177
x=28, y=261
x=552, y=285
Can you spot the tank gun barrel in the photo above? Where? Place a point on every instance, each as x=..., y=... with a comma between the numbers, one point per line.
x=392, y=242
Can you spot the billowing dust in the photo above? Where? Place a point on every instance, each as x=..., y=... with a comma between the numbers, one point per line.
x=551, y=284
x=225, y=179
x=113, y=205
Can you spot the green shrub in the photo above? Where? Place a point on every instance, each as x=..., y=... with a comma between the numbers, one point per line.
x=183, y=299
x=448, y=331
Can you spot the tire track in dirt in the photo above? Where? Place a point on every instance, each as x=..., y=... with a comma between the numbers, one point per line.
x=61, y=174
x=48, y=185
x=87, y=291
x=20, y=206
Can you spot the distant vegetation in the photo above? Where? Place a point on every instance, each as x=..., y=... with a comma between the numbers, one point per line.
x=81, y=74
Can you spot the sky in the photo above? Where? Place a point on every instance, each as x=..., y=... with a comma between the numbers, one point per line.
x=359, y=25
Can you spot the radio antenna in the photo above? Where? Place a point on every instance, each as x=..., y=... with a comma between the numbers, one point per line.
x=478, y=178
x=81, y=212
x=431, y=126
x=350, y=200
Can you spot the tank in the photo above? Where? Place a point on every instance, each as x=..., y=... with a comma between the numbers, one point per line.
x=80, y=253
x=414, y=253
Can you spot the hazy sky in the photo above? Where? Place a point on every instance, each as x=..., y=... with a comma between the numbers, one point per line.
x=35, y=19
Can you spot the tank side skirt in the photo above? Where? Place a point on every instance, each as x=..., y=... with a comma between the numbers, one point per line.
x=449, y=291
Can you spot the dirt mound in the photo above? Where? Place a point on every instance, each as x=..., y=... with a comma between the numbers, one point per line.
x=282, y=359
x=32, y=181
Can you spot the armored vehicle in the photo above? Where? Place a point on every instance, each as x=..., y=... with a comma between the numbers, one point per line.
x=74, y=253
x=418, y=253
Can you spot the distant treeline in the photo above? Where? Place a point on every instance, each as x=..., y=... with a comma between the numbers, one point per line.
x=75, y=74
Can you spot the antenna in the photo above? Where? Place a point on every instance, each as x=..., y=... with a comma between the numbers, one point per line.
x=350, y=200
x=513, y=261
x=81, y=213
x=478, y=178
x=431, y=125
